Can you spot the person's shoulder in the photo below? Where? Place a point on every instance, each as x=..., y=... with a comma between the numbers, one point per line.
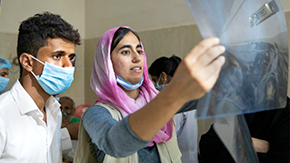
x=5, y=100
x=96, y=110
x=8, y=107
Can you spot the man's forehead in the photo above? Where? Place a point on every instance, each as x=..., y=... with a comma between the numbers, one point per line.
x=59, y=45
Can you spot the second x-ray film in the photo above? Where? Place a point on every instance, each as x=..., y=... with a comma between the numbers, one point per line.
x=254, y=77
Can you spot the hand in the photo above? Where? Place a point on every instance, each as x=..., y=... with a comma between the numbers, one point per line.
x=64, y=122
x=199, y=70
x=196, y=74
x=260, y=146
x=73, y=129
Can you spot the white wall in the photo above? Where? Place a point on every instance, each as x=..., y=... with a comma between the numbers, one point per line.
x=15, y=11
x=93, y=17
x=102, y=15
x=145, y=15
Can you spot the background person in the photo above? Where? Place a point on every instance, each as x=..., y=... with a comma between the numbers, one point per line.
x=68, y=110
x=69, y=133
x=4, y=73
x=161, y=72
x=270, y=136
x=30, y=118
x=67, y=106
x=130, y=121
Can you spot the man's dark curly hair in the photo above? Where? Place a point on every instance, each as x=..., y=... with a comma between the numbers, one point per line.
x=34, y=32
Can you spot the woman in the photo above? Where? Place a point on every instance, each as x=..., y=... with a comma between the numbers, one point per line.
x=161, y=72
x=129, y=123
x=4, y=74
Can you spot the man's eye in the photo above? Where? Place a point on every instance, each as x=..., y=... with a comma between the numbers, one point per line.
x=72, y=57
x=56, y=56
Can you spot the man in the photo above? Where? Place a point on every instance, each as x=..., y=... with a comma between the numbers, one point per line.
x=30, y=117
x=68, y=109
x=4, y=73
x=71, y=123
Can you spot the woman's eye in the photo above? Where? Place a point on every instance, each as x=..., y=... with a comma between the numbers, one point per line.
x=125, y=52
x=140, y=51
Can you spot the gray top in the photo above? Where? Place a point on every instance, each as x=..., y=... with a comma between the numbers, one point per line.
x=115, y=138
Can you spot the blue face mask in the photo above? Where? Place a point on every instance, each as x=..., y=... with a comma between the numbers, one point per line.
x=159, y=87
x=3, y=83
x=127, y=85
x=54, y=79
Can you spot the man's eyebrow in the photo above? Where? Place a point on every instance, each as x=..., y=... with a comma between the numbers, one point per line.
x=59, y=52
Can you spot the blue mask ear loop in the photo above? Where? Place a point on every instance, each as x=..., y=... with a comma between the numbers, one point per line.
x=157, y=83
x=37, y=61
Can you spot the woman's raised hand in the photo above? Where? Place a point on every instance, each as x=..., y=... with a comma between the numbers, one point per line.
x=199, y=70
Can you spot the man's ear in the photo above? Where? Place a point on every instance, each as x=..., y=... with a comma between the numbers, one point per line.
x=26, y=61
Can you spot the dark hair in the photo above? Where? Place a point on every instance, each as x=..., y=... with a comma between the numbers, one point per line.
x=168, y=65
x=119, y=35
x=34, y=32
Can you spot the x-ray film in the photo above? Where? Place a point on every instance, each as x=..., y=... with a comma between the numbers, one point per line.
x=234, y=133
x=254, y=77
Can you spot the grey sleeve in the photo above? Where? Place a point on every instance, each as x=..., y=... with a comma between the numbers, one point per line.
x=113, y=137
x=190, y=105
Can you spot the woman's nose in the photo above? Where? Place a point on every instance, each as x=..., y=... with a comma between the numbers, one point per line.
x=136, y=57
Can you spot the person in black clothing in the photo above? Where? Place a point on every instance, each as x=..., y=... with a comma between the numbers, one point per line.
x=271, y=127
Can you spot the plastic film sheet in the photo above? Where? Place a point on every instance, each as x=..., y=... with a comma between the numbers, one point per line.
x=254, y=77
x=234, y=133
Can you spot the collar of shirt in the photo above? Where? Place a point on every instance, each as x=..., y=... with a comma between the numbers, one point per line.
x=24, y=99
x=27, y=106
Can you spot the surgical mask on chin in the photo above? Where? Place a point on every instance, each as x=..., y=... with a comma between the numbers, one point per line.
x=128, y=85
x=3, y=83
x=160, y=87
x=54, y=79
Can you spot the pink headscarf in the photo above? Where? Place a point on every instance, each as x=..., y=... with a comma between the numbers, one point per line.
x=104, y=84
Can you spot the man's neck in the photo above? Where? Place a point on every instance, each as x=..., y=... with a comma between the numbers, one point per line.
x=35, y=91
